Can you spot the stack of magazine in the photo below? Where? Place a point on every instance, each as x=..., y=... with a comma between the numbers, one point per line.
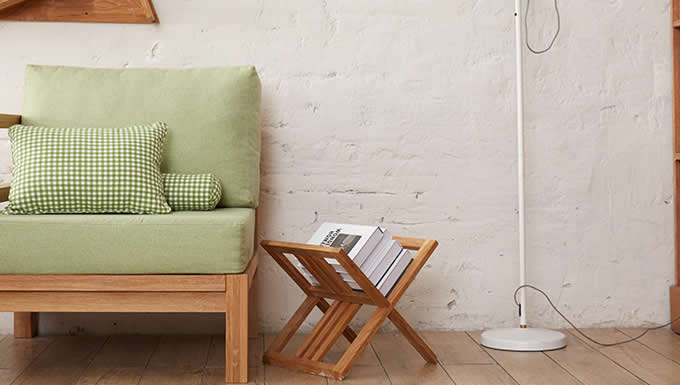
x=382, y=259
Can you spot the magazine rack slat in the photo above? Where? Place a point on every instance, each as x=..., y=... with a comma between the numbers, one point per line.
x=346, y=303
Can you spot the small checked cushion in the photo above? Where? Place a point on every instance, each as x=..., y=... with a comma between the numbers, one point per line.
x=87, y=170
x=192, y=192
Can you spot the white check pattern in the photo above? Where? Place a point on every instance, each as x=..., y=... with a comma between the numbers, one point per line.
x=87, y=170
x=195, y=192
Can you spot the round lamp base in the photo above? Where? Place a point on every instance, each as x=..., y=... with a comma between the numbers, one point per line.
x=523, y=339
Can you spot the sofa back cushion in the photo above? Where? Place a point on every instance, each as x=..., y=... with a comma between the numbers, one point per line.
x=212, y=115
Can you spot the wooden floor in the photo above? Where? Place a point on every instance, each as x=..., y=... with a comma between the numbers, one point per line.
x=389, y=360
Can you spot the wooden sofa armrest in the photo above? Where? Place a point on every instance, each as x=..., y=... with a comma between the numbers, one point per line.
x=4, y=192
x=7, y=120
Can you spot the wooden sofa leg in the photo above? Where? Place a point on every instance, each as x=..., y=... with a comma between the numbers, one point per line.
x=236, y=344
x=253, y=324
x=25, y=325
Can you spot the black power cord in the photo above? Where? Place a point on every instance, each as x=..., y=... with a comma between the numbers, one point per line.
x=526, y=28
x=579, y=330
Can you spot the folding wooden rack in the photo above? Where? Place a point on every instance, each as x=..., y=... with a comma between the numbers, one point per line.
x=345, y=306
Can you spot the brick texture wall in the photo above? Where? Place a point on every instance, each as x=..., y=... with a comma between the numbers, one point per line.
x=401, y=113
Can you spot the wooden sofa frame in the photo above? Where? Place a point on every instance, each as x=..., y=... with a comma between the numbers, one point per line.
x=232, y=294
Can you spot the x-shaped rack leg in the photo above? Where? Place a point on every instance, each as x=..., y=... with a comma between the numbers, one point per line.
x=298, y=318
x=335, y=322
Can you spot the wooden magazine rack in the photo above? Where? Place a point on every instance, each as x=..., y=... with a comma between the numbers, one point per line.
x=345, y=306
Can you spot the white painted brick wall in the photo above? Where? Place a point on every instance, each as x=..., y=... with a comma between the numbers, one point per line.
x=401, y=112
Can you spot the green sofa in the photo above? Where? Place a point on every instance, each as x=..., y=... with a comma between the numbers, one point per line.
x=183, y=261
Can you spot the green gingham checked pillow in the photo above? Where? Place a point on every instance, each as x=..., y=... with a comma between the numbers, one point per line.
x=87, y=170
x=196, y=192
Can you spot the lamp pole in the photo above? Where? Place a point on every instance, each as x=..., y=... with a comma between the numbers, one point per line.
x=522, y=339
x=520, y=158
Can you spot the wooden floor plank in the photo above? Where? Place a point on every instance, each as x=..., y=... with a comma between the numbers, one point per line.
x=275, y=375
x=217, y=352
x=126, y=351
x=645, y=363
x=590, y=366
x=663, y=341
x=456, y=348
x=120, y=361
x=178, y=360
x=70, y=351
x=390, y=360
x=366, y=358
x=172, y=376
x=281, y=376
x=479, y=374
x=530, y=368
x=62, y=362
x=364, y=375
x=181, y=352
x=17, y=354
x=464, y=360
x=215, y=376
x=111, y=376
x=404, y=365
x=8, y=375
x=215, y=363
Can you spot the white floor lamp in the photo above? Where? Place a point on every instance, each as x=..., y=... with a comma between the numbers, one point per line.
x=522, y=338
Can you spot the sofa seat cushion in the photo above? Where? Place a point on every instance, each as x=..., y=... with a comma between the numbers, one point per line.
x=191, y=242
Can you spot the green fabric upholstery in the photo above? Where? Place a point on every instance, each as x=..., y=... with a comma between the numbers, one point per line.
x=202, y=242
x=212, y=115
x=213, y=127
